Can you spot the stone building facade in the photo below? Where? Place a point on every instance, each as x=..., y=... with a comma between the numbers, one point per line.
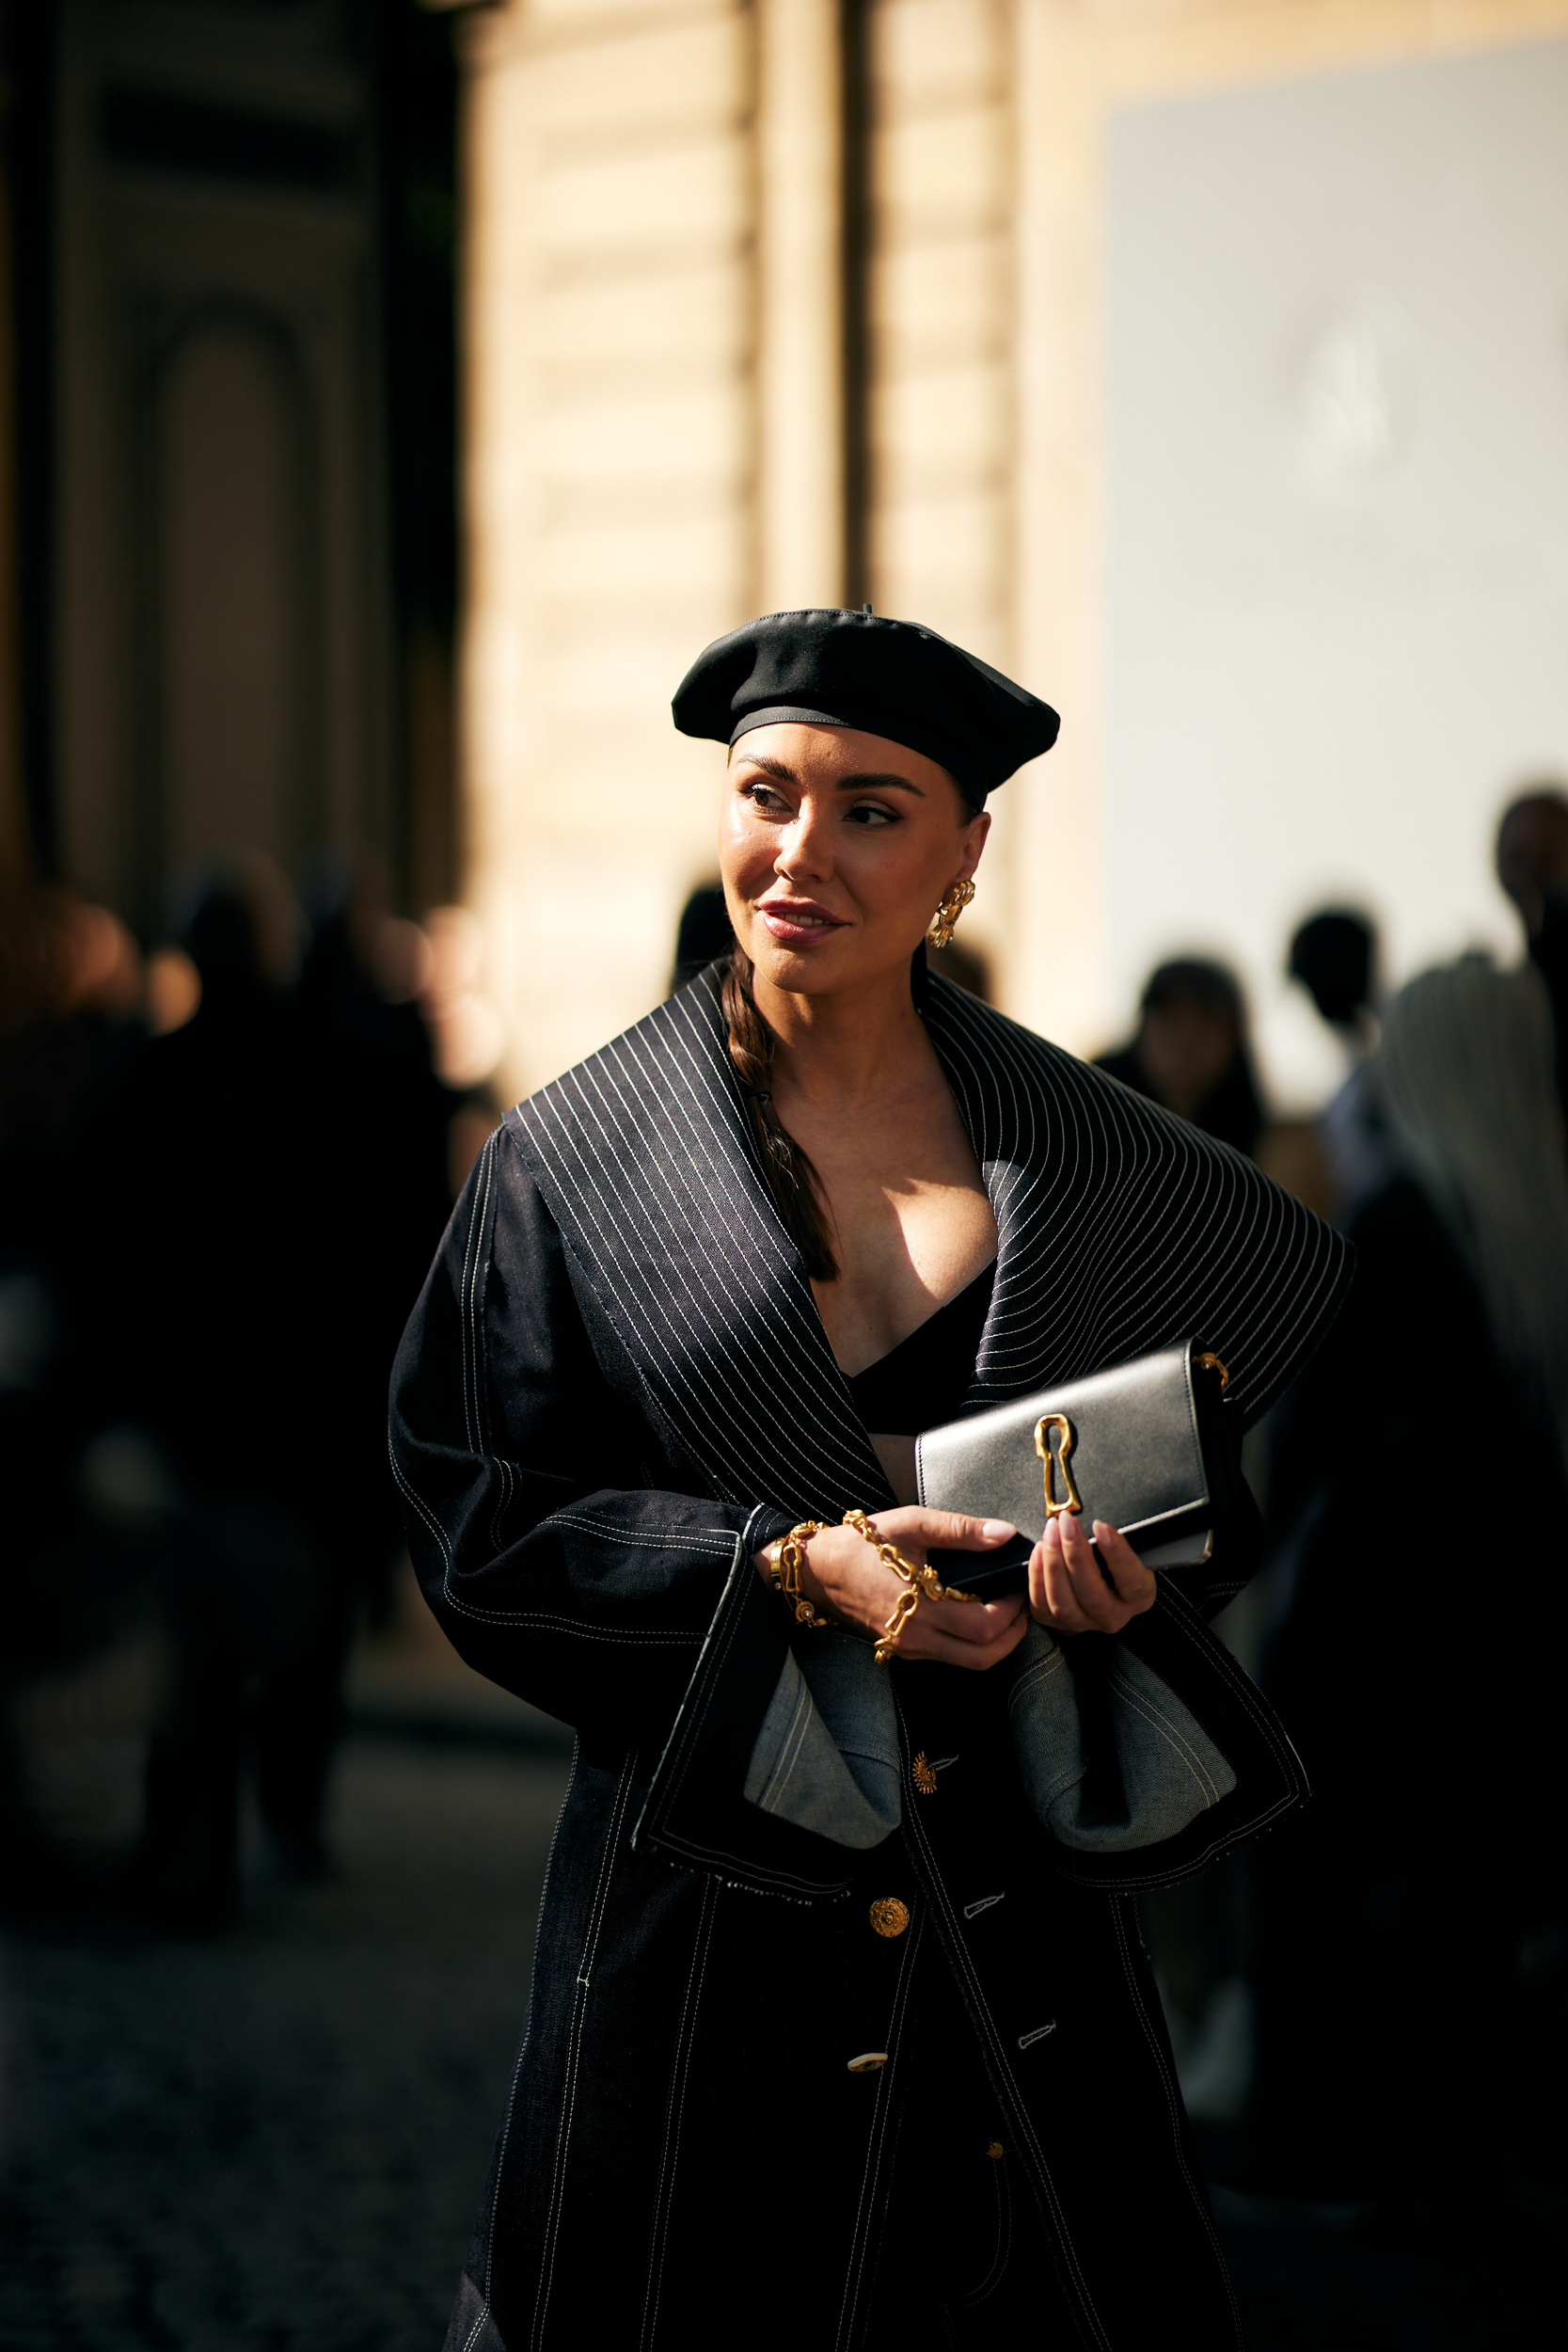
x=779, y=301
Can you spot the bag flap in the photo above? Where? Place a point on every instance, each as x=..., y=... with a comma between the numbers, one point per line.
x=1137, y=1456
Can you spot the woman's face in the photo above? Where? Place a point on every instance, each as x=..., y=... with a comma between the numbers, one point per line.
x=837, y=850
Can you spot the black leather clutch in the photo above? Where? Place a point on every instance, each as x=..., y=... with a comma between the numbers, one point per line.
x=1142, y=1447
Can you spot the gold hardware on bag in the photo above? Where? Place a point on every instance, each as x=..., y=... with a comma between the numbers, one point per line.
x=1208, y=1362
x=1066, y=1437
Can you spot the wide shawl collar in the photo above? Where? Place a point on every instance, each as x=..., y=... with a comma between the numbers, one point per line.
x=1121, y=1229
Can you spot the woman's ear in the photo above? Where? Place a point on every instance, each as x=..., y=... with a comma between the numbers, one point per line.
x=975, y=841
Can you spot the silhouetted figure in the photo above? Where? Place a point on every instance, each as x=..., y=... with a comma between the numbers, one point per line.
x=1191, y=1051
x=70, y=984
x=1334, y=956
x=1533, y=868
x=1434, y=1417
x=366, y=1065
x=217, y=1264
x=703, y=934
x=966, y=966
x=262, y=1284
x=262, y=1287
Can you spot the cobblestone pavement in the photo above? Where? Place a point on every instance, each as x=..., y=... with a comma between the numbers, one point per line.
x=274, y=2141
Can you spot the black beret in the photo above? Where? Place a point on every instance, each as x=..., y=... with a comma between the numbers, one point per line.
x=859, y=669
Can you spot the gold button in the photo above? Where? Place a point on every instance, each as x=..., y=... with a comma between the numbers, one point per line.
x=996, y=2149
x=868, y=2062
x=925, y=1774
x=889, y=1916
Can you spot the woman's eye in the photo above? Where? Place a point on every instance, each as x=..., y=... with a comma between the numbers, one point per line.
x=764, y=796
x=873, y=814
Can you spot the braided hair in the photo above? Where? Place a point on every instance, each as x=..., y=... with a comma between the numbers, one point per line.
x=794, y=1183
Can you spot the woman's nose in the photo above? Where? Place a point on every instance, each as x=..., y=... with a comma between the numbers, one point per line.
x=805, y=850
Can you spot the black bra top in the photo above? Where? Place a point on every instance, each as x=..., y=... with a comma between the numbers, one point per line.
x=923, y=1381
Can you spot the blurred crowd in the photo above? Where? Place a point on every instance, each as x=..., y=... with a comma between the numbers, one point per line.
x=223, y=1173
x=1371, y=1996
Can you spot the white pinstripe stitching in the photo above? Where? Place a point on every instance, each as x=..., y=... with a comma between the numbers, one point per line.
x=1181, y=1747
x=680, y=2071
x=878, y=2146
x=518, y=2070
x=578, y=2032
x=998, y=2271
x=1022, y=2120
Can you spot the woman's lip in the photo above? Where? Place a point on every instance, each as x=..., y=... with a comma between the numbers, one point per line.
x=797, y=920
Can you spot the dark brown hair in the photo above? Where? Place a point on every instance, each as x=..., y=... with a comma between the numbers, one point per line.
x=794, y=1184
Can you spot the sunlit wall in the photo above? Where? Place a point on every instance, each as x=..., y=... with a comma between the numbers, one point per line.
x=1089, y=275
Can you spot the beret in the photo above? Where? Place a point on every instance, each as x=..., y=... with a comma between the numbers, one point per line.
x=893, y=679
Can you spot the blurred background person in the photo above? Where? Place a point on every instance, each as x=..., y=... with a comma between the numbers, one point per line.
x=1191, y=1052
x=1392, y=1918
x=1533, y=868
x=1333, y=956
x=256, y=1287
x=214, y=1267
x=965, y=964
x=703, y=934
x=70, y=986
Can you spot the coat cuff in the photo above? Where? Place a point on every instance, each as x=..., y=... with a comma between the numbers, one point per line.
x=697, y=1814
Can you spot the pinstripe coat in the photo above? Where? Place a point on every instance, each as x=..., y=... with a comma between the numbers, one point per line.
x=614, y=1388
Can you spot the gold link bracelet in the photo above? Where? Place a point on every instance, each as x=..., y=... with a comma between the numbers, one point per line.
x=919, y=1584
x=786, y=1557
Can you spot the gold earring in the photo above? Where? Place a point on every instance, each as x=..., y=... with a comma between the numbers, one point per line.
x=948, y=913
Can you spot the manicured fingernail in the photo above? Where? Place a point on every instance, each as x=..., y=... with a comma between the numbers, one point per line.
x=997, y=1530
x=1054, y=1534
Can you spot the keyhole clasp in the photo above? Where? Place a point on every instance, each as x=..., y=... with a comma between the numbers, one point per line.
x=1066, y=1437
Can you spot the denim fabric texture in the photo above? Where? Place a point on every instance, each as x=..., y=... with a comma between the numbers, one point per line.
x=590, y=1450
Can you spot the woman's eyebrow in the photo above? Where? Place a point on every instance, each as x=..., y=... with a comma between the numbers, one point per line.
x=785, y=775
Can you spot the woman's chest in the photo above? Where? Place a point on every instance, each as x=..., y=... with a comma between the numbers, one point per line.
x=905, y=1242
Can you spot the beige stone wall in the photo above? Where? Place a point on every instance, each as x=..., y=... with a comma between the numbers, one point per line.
x=941, y=389
x=654, y=428
x=609, y=418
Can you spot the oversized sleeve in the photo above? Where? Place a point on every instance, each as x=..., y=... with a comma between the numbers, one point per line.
x=535, y=1490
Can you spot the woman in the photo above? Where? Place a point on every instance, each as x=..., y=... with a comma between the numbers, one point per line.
x=841, y=2030
x=1191, y=1051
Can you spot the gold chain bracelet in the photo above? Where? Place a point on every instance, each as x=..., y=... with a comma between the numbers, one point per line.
x=919, y=1584
x=786, y=1557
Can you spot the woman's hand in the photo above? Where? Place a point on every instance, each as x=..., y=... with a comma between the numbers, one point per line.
x=846, y=1580
x=1066, y=1589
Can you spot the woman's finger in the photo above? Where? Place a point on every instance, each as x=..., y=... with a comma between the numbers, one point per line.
x=913, y=1527
x=937, y=1648
x=1058, y=1604
x=1098, y=1599
x=1137, y=1586
x=978, y=1621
